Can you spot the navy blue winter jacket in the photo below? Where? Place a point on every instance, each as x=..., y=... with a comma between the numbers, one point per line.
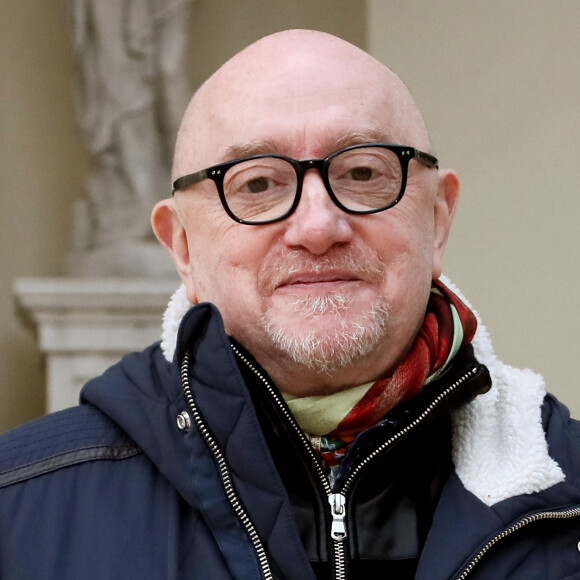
x=160, y=476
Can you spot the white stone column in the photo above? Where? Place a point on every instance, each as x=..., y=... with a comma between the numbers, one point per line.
x=132, y=88
x=84, y=325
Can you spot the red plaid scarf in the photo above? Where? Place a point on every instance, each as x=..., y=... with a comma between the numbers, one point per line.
x=430, y=353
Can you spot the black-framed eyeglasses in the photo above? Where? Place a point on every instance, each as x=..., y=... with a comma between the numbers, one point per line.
x=263, y=189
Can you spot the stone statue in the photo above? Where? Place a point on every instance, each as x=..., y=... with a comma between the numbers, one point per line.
x=131, y=92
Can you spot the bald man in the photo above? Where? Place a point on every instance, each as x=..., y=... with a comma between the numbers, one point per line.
x=322, y=403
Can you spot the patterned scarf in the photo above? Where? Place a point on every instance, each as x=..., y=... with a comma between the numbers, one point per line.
x=332, y=422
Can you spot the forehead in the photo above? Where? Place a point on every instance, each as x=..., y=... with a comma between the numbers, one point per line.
x=302, y=104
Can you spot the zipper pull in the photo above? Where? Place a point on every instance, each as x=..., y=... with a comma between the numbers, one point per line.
x=337, y=503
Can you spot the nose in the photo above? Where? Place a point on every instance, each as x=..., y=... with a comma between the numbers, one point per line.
x=317, y=224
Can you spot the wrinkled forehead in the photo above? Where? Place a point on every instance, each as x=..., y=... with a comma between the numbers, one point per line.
x=303, y=95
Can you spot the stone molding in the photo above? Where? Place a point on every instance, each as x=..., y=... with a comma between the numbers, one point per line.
x=84, y=325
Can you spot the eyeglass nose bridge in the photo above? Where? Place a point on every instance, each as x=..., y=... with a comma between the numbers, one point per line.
x=320, y=165
x=308, y=164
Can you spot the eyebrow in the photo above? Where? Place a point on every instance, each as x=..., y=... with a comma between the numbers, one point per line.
x=363, y=137
x=265, y=146
x=258, y=147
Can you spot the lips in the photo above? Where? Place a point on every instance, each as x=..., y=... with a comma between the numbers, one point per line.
x=316, y=278
x=308, y=277
x=298, y=270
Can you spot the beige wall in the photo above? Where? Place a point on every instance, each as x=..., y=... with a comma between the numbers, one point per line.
x=43, y=165
x=499, y=85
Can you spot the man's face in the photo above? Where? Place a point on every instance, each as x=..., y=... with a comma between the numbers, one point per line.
x=323, y=299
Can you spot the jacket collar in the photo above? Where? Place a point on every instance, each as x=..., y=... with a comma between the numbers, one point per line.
x=499, y=445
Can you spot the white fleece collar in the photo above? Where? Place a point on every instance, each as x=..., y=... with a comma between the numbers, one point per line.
x=175, y=311
x=499, y=447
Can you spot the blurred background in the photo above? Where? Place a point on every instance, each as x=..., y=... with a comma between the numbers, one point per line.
x=498, y=84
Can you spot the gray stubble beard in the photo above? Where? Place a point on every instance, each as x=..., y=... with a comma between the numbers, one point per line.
x=334, y=350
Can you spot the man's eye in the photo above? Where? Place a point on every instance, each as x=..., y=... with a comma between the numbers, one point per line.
x=258, y=185
x=361, y=173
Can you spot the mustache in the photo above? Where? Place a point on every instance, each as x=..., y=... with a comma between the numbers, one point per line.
x=365, y=265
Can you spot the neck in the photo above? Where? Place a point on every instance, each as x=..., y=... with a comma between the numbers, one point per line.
x=299, y=380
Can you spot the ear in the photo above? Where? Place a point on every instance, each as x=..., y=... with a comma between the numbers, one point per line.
x=445, y=203
x=170, y=231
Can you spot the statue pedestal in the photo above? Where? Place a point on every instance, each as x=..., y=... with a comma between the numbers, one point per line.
x=84, y=325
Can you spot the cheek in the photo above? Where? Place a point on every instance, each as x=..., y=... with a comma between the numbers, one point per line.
x=407, y=238
x=407, y=252
x=225, y=258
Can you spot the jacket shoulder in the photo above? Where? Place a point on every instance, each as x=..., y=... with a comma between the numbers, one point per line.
x=556, y=416
x=59, y=440
x=562, y=437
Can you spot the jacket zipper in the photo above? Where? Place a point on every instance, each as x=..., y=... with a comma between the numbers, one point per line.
x=338, y=515
x=225, y=474
x=348, y=484
x=557, y=515
x=338, y=501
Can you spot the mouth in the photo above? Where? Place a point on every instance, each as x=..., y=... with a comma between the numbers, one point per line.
x=317, y=280
x=343, y=271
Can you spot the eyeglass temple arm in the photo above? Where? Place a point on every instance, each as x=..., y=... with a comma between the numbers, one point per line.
x=188, y=180
x=426, y=159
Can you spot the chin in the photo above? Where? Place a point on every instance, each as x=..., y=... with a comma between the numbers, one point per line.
x=325, y=335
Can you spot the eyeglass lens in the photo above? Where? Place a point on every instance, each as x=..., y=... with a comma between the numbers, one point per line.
x=264, y=189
